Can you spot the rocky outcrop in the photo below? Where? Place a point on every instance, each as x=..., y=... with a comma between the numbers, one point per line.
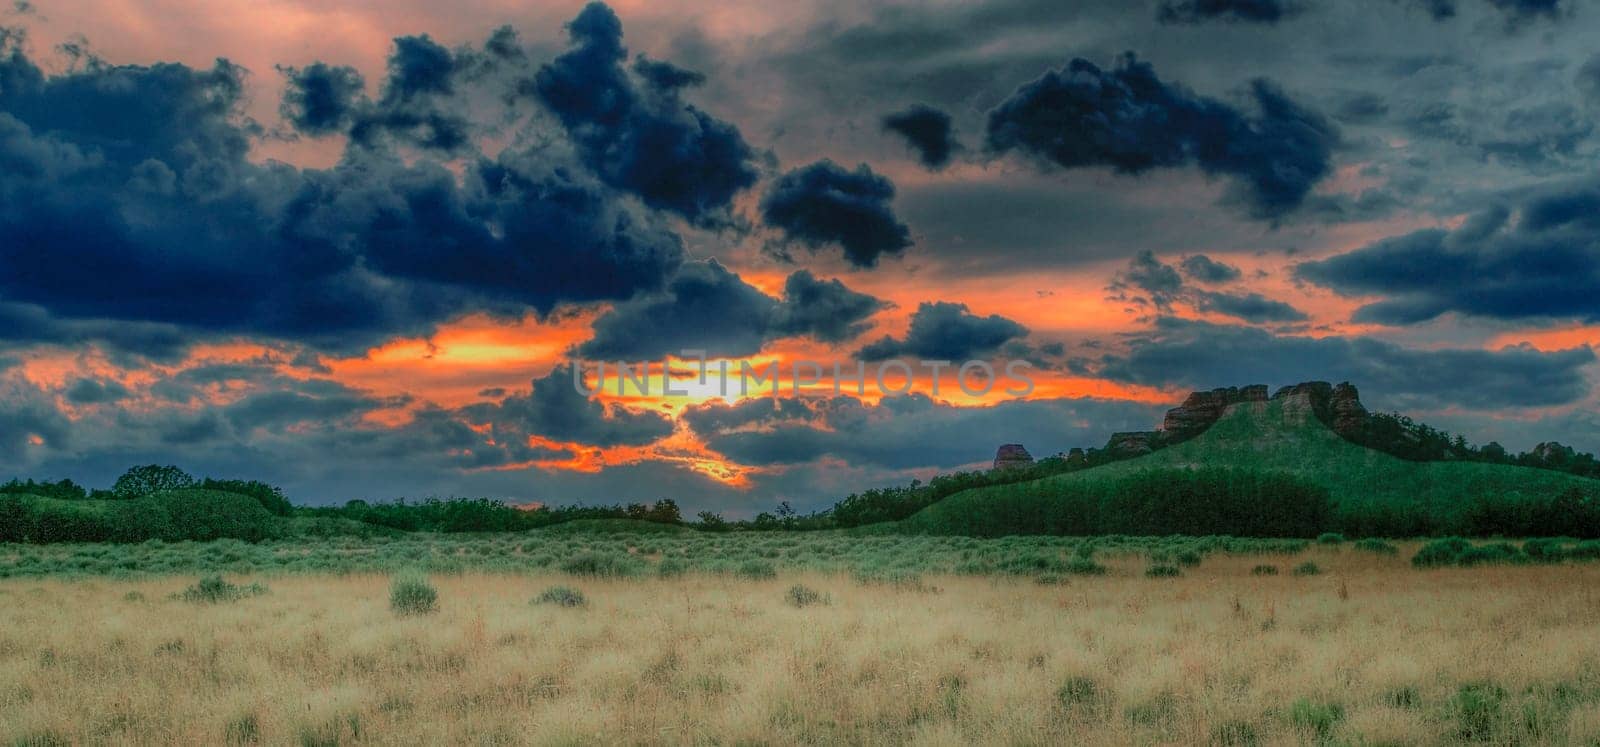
x=1348, y=416
x=1338, y=407
x=1133, y=443
x=1201, y=409
x=1012, y=456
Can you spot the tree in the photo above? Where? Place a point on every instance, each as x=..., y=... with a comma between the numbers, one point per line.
x=139, y=482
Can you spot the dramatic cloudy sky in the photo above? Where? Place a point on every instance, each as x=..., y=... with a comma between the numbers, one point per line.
x=355, y=247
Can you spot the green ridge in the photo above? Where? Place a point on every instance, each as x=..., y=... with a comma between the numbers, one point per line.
x=1284, y=436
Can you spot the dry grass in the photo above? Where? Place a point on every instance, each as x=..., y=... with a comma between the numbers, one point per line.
x=1216, y=654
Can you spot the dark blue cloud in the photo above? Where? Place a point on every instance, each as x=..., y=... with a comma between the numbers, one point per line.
x=928, y=130
x=824, y=310
x=95, y=391
x=129, y=211
x=1201, y=11
x=554, y=409
x=1203, y=269
x=707, y=307
x=636, y=132
x=824, y=204
x=1544, y=265
x=1131, y=121
x=1250, y=307
x=946, y=331
x=320, y=99
x=1189, y=354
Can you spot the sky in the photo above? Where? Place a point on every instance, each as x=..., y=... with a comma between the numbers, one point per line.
x=361, y=249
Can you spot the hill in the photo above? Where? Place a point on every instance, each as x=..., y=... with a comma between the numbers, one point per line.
x=1372, y=493
x=172, y=515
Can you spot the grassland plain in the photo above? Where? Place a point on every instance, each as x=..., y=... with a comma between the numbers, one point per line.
x=1367, y=649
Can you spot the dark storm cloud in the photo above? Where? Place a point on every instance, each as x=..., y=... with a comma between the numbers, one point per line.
x=1200, y=355
x=1251, y=307
x=95, y=391
x=26, y=414
x=946, y=331
x=1203, y=269
x=824, y=204
x=1544, y=265
x=1131, y=121
x=141, y=173
x=293, y=403
x=636, y=132
x=1201, y=11
x=554, y=409
x=907, y=431
x=707, y=307
x=826, y=311
x=1588, y=79
x=928, y=130
x=320, y=99
x=29, y=324
x=1149, y=282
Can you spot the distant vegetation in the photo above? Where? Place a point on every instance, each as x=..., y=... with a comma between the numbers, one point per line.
x=1255, y=475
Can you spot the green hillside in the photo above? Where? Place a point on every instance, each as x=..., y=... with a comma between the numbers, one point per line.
x=172, y=515
x=1372, y=492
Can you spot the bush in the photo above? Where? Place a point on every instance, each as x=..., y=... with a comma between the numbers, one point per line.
x=756, y=569
x=804, y=596
x=1585, y=550
x=214, y=590
x=1162, y=571
x=602, y=564
x=1330, y=538
x=1439, y=553
x=1307, y=568
x=1318, y=718
x=1477, y=709
x=1078, y=692
x=1544, y=551
x=561, y=596
x=1189, y=558
x=412, y=595
x=1378, y=546
x=1264, y=570
x=1490, y=554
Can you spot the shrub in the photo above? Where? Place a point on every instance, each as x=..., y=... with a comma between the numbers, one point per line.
x=1235, y=734
x=602, y=564
x=1493, y=553
x=1162, y=571
x=214, y=590
x=561, y=596
x=1378, y=546
x=1544, y=551
x=805, y=596
x=670, y=567
x=1330, y=538
x=1318, y=718
x=1189, y=558
x=1440, y=553
x=1078, y=691
x=756, y=569
x=1264, y=570
x=411, y=594
x=1477, y=709
x=1307, y=568
x=1084, y=566
x=1585, y=550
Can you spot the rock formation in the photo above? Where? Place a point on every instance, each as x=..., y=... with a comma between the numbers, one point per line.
x=1201, y=409
x=1133, y=443
x=1012, y=456
x=1338, y=407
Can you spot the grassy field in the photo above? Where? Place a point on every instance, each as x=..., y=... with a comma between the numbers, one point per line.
x=1366, y=649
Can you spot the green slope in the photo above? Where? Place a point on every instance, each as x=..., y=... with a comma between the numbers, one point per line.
x=1284, y=436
